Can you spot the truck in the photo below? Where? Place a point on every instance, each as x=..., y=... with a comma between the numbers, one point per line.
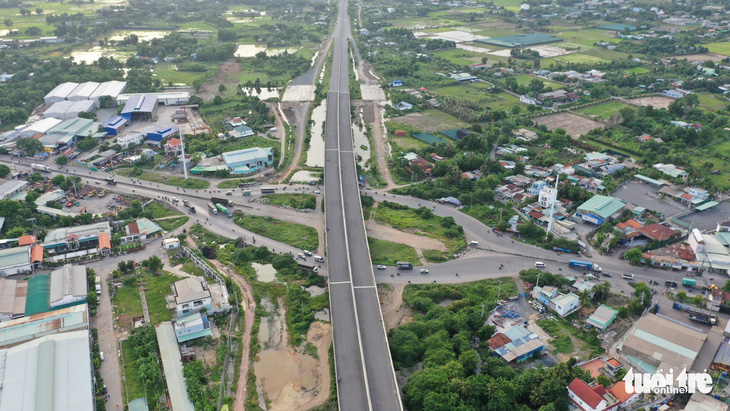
x=212, y=208
x=404, y=265
x=268, y=190
x=689, y=282
x=584, y=264
x=704, y=318
x=682, y=307
x=110, y=180
x=307, y=267
x=223, y=209
x=224, y=201
x=97, y=281
x=40, y=167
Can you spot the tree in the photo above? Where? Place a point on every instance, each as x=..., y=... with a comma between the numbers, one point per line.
x=725, y=287
x=38, y=10
x=4, y=170
x=484, y=60
x=33, y=31
x=536, y=85
x=633, y=255
x=217, y=100
x=61, y=160
x=29, y=146
x=8, y=22
x=154, y=264
x=106, y=101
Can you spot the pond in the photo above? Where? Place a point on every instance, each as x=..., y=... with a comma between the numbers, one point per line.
x=304, y=176
x=360, y=140
x=93, y=54
x=143, y=35
x=264, y=272
x=248, y=50
x=315, y=153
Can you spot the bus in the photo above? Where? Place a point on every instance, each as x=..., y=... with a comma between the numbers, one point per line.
x=268, y=190
x=212, y=208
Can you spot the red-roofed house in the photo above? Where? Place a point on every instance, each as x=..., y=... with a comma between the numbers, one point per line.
x=26, y=240
x=593, y=366
x=626, y=399
x=173, y=146
x=132, y=228
x=591, y=398
x=657, y=231
x=105, y=243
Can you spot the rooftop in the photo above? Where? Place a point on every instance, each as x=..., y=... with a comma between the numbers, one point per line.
x=37, y=325
x=69, y=280
x=12, y=297
x=172, y=365
x=10, y=257
x=62, y=235
x=249, y=154
x=140, y=104
x=603, y=206
x=190, y=289
x=657, y=231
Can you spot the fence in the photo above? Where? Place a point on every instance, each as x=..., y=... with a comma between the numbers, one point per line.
x=208, y=270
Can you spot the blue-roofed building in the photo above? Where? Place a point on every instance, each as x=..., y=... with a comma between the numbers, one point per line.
x=140, y=108
x=191, y=327
x=115, y=124
x=157, y=135
x=516, y=343
x=249, y=160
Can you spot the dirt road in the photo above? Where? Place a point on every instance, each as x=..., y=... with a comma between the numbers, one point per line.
x=390, y=305
x=227, y=74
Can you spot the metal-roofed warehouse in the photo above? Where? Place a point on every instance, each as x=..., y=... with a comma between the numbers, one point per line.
x=656, y=343
x=520, y=40
x=60, y=93
x=19, y=260
x=39, y=127
x=115, y=124
x=69, y=286
x=16, y=331
x=65, y=110
x=83, y=237
x=12, y=298
x=48, y=373
x=79, y=127
x=109, y=88
x=140, y=108
x=168, y=98
x=83, y=91
x=39, y=289
x=172, y=365
x=58, y=110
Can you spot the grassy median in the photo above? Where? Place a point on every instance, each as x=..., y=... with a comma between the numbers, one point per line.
x=296, y=235
x=387, y=252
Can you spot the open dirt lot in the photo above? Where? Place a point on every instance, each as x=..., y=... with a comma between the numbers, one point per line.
x=701, y=57
x=428, y=123
x=299, y=93
x=372, y=92
x=456, y=36
x=384, y=232
x=654, y=101
x=574, y=125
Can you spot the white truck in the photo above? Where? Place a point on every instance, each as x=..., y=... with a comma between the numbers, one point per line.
x=41, y=167
x=97, y=280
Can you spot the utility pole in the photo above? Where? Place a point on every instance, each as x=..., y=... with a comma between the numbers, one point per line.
x=483, y=306
x=499, y=289
x=553, y=200
x=182, y=147
x=538, y=280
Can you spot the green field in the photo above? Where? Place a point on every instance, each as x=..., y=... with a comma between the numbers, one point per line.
x=720, y=48
x=191, y=182
x=722, y=148
x=233, y=182
x=637, y=70
x=575, y=58
x=587, y=37
x=293, y=200
x=461, y=57
x=722, y=180
x=296, y=235
x=127, y=299
x=159, y=210
x=525, y=79
x=168, y=73
x=712, y=101
x=604, y=110
x=170, y=224
x=387, y=252
x=477, y=92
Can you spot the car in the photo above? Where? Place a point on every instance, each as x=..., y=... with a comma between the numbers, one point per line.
x=101, y=354
x=606, y=274
x=175, y=200
x=307, y=253
x=97, y=182
x=381, y=267
x=316, y=192
x=423, y=271
x=318, y=259
x=301, y=256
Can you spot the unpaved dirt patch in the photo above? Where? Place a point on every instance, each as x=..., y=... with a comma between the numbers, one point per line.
x=573, y=124
x=227, y=74
x=655, y=101
x=701, y=57
x=391, y=304
x=428, y=123
x=384, y=232
x=314, y=388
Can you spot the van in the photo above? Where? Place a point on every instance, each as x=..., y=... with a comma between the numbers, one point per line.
x=229, y=193
x=627, y=276
x=318, y=259
x=539, y=264
x=473, y=243
x=247, y=192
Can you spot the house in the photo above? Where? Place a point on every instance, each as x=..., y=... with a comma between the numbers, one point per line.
x=403, y=106
x=170, y=243
x=142, y=229
x=133, y=138
x=233, y=122
x=241, y=132
x=173, y=146
x=544, y=294
x=602, y=317
x=599, y=209
x=462, y=77
x=547, y=197
x=536, y=187
x=564, y=304
x=676, y=93
x=191, y=326
x=191, y=295
x=671, y=170
x=479, y=66
x=508, y=192
x=526, y=99
x=524, y=134
x=556, y=96
x=613, y=366
x=657, y=232
x=397, y=83
x=433, y=103
x=591, y=397
x=63, y=240
x=519, y=180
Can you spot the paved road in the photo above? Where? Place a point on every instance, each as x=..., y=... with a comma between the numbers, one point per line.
x=365, y=376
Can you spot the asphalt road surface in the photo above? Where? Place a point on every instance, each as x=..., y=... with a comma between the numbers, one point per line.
x=365, y=376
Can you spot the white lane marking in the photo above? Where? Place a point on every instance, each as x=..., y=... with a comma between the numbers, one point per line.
x=341, y=282
x=363, y=286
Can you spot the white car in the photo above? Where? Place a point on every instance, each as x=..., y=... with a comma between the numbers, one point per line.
x=381, y=267
x=175, y=200
x=307, y=253
x=101, y=355
x=229, y=193
x=318, y=259
x=423, y=271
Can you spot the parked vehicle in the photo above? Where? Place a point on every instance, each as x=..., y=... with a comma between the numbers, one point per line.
x=212, y=208
x=307, y=267
x=606, y=274
x=539, y=264
x=381, y=267
x=110, y=180
x=629, y=277
x=704, y=318
x=473, y=243
x=224, y=201
x=670, y=283
x=423, y=271
x=247, y=192
x=404, y=265
x=229, y=193
x=307, y=253
x=318, y=259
